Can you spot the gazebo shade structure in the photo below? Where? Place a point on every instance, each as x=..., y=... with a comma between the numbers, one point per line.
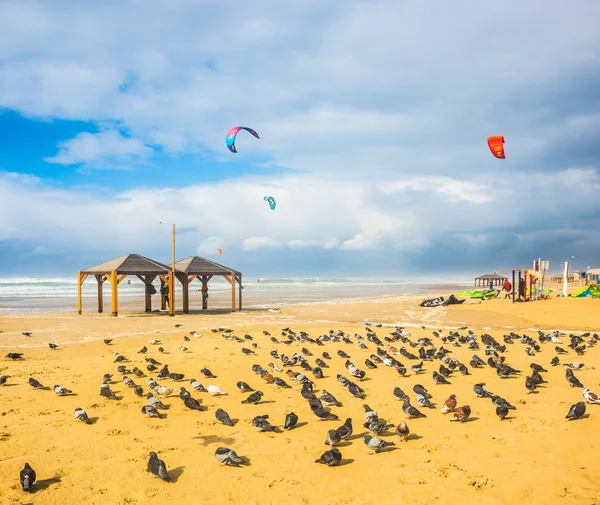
x=204, y=270
x=484, y=280
x=114, y=271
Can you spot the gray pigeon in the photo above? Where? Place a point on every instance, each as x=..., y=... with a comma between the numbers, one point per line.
x=329, y=400
x=261, y=424
x=192, y=403
x=27, y=478
x=345, y=430
x=150, y=411
x=61, y=391
x=82, y=416
x=377, y=427
x=106, y=392
x=411, y=412
x=155, y=402
x=223, y=417
x=227, y=456
x=376, y=444
x=243, y=387
x=254, y=398
x=324, y=415
x=333, y=438
x=577, y=411
x=290, y=421
x=157, y=467
x=333, y=457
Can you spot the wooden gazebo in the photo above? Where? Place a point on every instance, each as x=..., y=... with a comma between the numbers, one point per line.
x=114, y=271
x=204, y=270
x=484, y=280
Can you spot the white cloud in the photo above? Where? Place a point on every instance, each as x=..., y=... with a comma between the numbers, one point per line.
x=92, y=147
x=255, y=243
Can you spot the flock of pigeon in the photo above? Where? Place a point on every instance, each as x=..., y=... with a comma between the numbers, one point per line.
x=398, y=345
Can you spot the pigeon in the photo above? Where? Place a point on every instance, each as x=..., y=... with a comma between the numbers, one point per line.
x=574, y=381
x=106, y=392
x=155, y=402
x=128, y=382
x=53, y=346
x=329, y=400
x=61, y=391
x=290, y=421
x=462, y=413
x=162, y=390
x=449, y=404
x=323, y=414
x=223, y=417
x=480, y=391
x=197, y=386
x=139, y=391
x=207, y=373
x=157, y=467
x=420, y=390
x=402, y=431
x=280, y=383
x=590, y=397
x=377, y=427
x=530, y=384
x=81, y=415
x=254, y=398
x=106, y=378
x=423, y=400
x=107, y=341
x=555, y=361
x=439, y=379
x=345, y=430
x=501, y=402
x=577, y=411
x=27, y=478
x=574, y=366
x=15, y=355
x=537, y=368
x=176, y=376
x=26, y=333
x=143, y=350
x=227, y=456
x=333, y=457
x=3, y=379
x=411, y=412
x=333, y=438
x=370, y=414
x=376, y=444
x=502, y=412
x=150, y=411
x=261, y=424
x=399, y=394
x=184, y=393
x=35, y=384
x=215, y=391
x=192, y=403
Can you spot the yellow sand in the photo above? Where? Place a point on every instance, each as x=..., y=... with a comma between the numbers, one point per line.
x=535, y=456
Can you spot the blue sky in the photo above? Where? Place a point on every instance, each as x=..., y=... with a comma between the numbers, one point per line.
x=373, y=117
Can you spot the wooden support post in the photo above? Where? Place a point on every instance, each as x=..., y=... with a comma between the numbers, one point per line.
x=172, y=276
x=115, y=295
x=232, y=291
x=240, y=292
x=100, y=281
x=79, y=300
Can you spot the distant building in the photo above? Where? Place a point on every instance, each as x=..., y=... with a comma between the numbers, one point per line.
x=592, y=275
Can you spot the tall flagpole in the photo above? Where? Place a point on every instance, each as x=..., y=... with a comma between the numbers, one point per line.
x=172, y=290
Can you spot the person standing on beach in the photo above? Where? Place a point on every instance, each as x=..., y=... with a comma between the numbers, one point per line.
x=164, y=292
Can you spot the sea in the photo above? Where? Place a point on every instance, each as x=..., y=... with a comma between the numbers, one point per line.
x=59, y=294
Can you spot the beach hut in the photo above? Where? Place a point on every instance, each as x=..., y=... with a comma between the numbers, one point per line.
x=204, y=270
x=114, y=271
x=484, y=280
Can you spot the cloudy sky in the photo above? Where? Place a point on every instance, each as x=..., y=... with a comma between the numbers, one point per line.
x=373, y=117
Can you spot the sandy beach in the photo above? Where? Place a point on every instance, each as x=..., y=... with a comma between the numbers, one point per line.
x=533, y=456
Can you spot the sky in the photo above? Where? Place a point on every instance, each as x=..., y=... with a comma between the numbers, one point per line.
x=373, y=118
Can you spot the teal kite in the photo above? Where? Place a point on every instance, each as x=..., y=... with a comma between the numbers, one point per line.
x=271, y=201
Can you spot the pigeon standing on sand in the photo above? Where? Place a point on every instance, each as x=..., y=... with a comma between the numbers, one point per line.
x=157, y=467
x=27, y=478
x=590, y=397
x=150, y=411
x=192, y=404
x=82, y=416
x=462, y=413
x=411, y=412
x=223, y=417
x=35, y=384
x=107, y=392
x=577, y=411
x=323, y=414
x=262, y=424
x=243, y=387
x=254, y=398
x=3, y=379
x=502, y=412
x=227, y=456
x=376, y=444
x=61, y=391
x=333, y=457
x=402, y=431
x=333, y=438
x=449, y=404
x=291, y=420
x=345, y=430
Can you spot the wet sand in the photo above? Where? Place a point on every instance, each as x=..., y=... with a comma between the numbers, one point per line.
x=534, y=456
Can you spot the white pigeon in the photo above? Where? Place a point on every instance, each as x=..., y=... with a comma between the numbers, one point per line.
x=556, y=340
x=61, y=391
x=387, y=362
x=162, y=390
x=154, y=341
x=215, y=391
x=196, y=334
x=590, y=397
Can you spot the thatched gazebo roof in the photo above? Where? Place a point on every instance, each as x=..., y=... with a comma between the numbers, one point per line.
x=129, y=264
x=202, y=269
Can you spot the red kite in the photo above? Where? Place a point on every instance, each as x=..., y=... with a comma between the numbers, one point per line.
x=495, y=145
x=220, y=251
